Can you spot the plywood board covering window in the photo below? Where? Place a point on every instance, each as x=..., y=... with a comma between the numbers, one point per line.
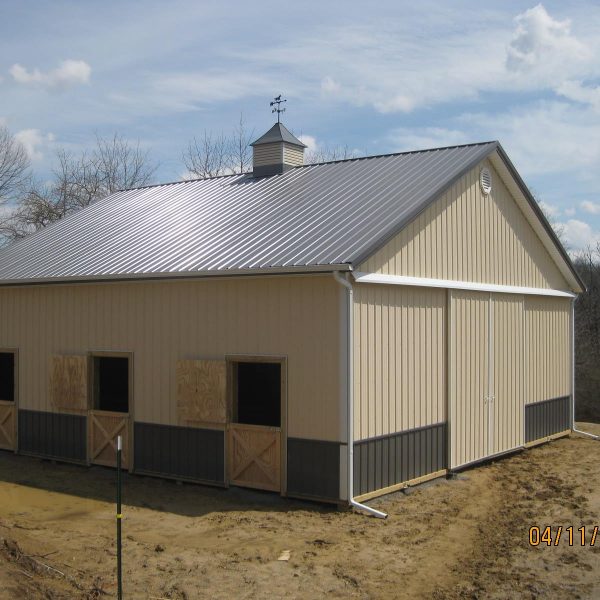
x=201, y=391
x=69, y=382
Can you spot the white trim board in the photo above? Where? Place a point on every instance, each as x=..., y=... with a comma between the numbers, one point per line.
x=456, y=285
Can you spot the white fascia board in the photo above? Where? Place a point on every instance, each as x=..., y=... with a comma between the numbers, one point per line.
x=456, y=285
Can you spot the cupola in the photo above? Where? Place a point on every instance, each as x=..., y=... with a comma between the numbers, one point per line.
x=276, y=151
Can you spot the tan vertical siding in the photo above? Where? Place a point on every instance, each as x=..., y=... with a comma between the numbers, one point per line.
x=399, y=358
x=469, y=376
x=267, y=154
x=292, y=155
x=508, y=373
x=547, y=344
x=163, y=322
x=468, y=236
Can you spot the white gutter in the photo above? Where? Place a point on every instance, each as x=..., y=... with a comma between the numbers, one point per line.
x=456, y=285
x=350, y=399
x=595, y=437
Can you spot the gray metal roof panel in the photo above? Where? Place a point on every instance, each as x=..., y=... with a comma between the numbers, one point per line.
x=278, y=133
x=311, y=216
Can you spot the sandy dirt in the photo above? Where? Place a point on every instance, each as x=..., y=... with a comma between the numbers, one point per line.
x=466, y=537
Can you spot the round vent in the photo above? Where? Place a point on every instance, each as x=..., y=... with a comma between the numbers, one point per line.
x=485, y=181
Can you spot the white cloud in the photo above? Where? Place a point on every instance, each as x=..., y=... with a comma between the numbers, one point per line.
x=593, y=208
x=544, y=138
x=68, y=74
x=569, y=212
x=329, y=85
x=543, y=43
x=188, y=91
x=579, y=235
x=551, y=210
x=34, y=141
x=310, y=141
x=419, y=62
x=426, y=137
x=578, y=92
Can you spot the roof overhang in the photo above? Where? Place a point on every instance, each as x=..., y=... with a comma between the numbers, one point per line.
x=179, y=275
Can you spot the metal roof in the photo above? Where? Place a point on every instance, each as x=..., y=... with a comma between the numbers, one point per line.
x=278, y=133
x=314, y=217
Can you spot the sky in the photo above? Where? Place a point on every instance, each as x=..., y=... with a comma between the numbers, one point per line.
x=377, y=77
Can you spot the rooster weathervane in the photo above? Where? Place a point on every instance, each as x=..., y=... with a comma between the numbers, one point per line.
x=275, y=105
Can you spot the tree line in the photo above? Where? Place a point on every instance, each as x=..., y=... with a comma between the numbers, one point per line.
x=587, y=337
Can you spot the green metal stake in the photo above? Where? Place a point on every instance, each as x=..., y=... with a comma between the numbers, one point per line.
x=119, y=517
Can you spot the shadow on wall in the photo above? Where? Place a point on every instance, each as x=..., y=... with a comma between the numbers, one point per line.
x=99, y=484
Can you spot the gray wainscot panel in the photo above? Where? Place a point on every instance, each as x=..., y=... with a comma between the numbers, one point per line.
x=185, y=452
x=55, y=435
x=313, y=468
x=391, y=459
x=546, y=418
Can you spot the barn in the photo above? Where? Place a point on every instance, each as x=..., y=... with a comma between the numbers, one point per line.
x=332, y=331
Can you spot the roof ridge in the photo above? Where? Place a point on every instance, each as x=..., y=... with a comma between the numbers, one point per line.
x=404, y=152
x=328, y=162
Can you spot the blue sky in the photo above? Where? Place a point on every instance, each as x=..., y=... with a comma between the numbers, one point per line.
x=378, y=77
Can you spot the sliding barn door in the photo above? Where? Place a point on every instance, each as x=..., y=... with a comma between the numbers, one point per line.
x=486, y=375
x=469, y=376
x=508, y=398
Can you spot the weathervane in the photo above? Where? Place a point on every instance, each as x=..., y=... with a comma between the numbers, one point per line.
x=276, y=103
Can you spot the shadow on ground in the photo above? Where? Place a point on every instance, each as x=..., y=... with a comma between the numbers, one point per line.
x=99, y=483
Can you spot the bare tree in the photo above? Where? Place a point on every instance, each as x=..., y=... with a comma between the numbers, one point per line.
x=329, y=153
x=77, y=181
x=118, y=164
x=240, y=151
x=212, y=155
x=208, y=156
x=14, y=164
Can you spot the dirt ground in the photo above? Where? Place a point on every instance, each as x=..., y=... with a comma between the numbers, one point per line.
x=466, y=537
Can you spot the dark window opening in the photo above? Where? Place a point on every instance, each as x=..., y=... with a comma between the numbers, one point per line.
x=259, y=394
x=7, y=376
x=111, y=383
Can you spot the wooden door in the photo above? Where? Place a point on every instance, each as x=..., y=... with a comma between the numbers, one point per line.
x=104, y=429
x=255, y=456
x=7, y=425
x=469, y=375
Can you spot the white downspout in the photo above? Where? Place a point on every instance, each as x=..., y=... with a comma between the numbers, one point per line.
x=596, y=437
x=350, y=398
